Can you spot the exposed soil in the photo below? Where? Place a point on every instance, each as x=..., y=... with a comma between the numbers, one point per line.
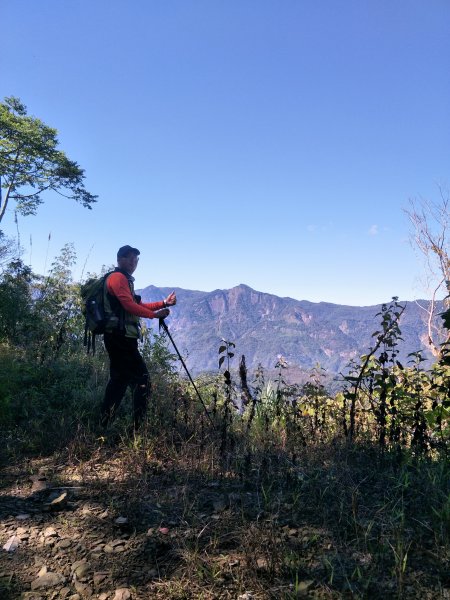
x=114, y=527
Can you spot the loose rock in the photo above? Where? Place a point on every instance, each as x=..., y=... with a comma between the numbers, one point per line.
x=122, y=594
x=261, y=563
x=47, y=581
x=80, y=569
x=39, y=486
x=303, y=587
x=83, y=589
x=12, y=544
x=99, y=578
x=59, y=502
x=50, y=532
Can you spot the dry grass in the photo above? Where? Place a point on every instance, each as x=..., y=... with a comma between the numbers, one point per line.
x=342, y=523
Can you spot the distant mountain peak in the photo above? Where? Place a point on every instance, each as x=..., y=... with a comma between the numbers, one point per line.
x=264, y=326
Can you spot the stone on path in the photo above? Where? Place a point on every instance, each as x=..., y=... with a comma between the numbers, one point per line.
x=50, y=532
x=122, y=594
x=303, y=587
x=39, y=485
x=21, y=531
x=115, y=546
x=99, y=578
x=261, y=563
x=83, y=589
x=12, y=544
x=59, y=502
x=81, y=569
x=46, y=581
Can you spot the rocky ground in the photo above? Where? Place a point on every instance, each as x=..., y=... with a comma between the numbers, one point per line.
x=115, y=527
x=76, y=532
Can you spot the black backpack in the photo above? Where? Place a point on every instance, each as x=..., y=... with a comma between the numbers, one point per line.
x=93, y=306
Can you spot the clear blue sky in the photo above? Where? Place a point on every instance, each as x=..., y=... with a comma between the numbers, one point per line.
x=272, y=143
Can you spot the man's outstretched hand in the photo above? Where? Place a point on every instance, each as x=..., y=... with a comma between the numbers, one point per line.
x=171, y=299
x=162, y=313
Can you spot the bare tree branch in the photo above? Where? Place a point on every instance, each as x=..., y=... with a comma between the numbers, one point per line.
x=430, y=222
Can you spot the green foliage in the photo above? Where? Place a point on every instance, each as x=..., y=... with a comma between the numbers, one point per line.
x=49, y=387
x=45, y=403
x=41, y=316
x=58, y=320
x=381, y=492
x=226, y=354
x=31, y=163
x=284, y=449
x=15, y=302
x=8, y=250
x=45, y=372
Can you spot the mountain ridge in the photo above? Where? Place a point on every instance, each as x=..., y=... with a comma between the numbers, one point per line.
x=264, y=326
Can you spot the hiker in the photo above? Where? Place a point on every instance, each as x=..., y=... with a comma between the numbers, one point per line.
x=127, y=367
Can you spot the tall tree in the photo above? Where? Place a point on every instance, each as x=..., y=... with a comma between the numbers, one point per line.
x=430, y=220
x=31, y=163
x=15, y=302
x=8, y=250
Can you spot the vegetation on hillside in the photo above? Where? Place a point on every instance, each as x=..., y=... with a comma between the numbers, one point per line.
x=262, y=490
x=301, y=491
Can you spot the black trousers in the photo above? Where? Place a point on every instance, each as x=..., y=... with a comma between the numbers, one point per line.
x=126, y=368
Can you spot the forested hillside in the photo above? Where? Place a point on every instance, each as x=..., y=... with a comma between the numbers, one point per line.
x=178, y=444
x=251, y=486
x=256, y=480
x=264, y=326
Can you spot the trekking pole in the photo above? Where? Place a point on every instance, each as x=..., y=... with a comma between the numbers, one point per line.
x=166, y=329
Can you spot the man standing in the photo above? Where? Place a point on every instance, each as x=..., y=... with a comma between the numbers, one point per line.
x=127, y=367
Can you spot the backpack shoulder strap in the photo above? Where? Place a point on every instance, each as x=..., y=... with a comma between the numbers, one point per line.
x=114, y=302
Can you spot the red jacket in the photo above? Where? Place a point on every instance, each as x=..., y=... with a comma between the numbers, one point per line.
x=117, y=285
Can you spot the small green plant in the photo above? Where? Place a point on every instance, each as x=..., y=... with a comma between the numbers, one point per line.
x=225, y=355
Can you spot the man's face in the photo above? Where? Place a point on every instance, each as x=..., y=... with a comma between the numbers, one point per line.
x=128, y=263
